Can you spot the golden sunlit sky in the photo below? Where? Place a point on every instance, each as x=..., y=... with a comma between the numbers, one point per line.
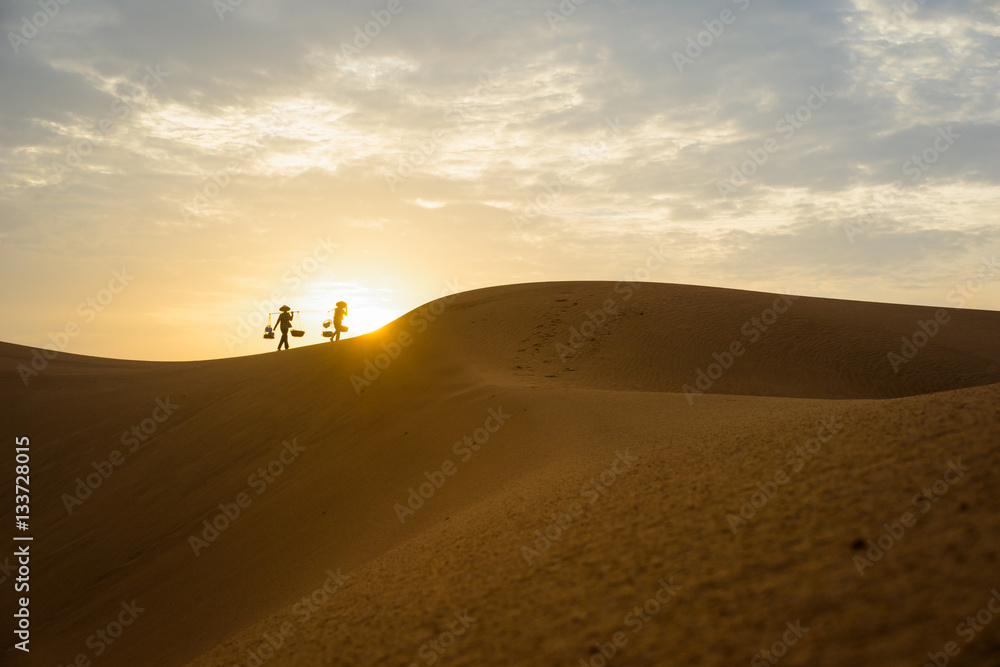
x=171, y=170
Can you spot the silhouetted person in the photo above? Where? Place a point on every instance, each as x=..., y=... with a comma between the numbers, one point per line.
x=285, y=323
x=338, y=320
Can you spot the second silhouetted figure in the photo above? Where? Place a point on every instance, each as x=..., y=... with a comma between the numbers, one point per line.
x=338, y=320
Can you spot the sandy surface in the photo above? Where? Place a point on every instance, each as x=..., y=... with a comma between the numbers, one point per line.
x=599, y=509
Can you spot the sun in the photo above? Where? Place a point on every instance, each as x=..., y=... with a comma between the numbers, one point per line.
x=362, y=317
x=369, y=307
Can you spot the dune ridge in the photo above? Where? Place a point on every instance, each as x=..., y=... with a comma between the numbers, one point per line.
x=552, y=406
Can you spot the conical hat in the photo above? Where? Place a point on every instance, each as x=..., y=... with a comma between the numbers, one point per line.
x=283, y=308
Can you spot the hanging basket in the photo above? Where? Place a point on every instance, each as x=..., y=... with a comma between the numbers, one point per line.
x=297, y=333
x=269, y=335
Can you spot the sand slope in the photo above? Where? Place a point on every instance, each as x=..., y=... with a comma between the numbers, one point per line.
x=683, y=463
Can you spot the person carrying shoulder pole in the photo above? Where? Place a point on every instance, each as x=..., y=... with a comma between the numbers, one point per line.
x=285, y=323
x=338, y=320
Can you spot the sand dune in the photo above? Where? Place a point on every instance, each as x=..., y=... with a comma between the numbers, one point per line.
x=518, y=420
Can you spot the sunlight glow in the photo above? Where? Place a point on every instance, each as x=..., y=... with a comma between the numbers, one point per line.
x=429, y=204
x=367, y=311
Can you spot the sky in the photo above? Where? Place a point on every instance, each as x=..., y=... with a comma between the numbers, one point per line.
x=171, y=171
